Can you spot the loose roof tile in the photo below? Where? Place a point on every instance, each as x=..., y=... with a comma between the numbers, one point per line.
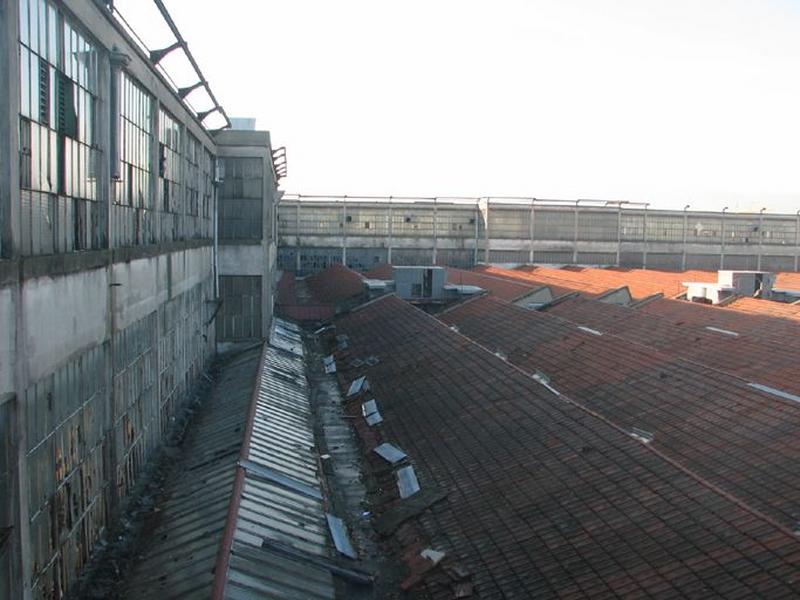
x=545, y=498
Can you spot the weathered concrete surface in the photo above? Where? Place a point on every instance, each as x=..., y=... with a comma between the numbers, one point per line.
x=63, y=316
x=6, y=342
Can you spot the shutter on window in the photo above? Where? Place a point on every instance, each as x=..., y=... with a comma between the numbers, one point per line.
x=67, y=119
x=44, y=92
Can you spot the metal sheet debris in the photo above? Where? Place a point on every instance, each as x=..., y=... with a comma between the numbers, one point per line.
x=330, y=364
x=389, y=453
x=407, y=482
x=340, y=537
x=371, y=413
x=357, y=386
x=642, y=435
x=775, y=392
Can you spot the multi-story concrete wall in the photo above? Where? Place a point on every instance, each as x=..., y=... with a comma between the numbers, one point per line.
x=108, y=288
x=314, y=233
x=248, y=202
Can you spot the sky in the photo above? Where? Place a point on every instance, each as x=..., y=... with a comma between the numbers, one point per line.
x=671, y=102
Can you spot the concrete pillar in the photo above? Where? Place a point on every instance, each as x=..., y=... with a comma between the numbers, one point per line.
x=619, y=232
x=10, y=247
x=297, y=237
x=797, y=241
x=477, y=221
x=10, y=225
x=685, y=225
x=760, y=238
x=435, y=230
x=486, y=235
x=391, y=232
x=575, y=236
x=644, y=239
x=344, y=231
x=531, y=232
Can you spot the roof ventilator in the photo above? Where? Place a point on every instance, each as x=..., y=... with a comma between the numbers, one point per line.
x=454, y=328
x=501, y=355
x=642, y=435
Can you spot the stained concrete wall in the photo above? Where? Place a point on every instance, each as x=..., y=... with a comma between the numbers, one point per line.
x=100, y=349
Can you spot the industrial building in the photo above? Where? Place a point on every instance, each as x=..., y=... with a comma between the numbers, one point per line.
x=360, y=232
x=135, y=238
x=210, y=389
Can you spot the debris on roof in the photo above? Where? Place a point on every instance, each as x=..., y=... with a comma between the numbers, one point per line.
x=371, y=413
x=390, y=453
x=340, y=537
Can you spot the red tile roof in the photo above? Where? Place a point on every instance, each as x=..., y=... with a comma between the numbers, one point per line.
x=335, y=284
x=640, y=282
x=560, y=284
x=381, y=271
x=771, y=321
x=497, y=286
x=742, y=353
x=789, y=281
x=547, y=498
x=743, y=440
x=319, y=296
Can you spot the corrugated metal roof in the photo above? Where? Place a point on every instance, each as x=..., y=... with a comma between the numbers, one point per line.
x=244, y=515
x=178, y=561
x=285, y=511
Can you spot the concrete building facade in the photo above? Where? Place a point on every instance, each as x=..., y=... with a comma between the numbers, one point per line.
x=114, y=285
x=361, y=232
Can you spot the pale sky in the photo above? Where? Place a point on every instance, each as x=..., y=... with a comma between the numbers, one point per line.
x=662, y=101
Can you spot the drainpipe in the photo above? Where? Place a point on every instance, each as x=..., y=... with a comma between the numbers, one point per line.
x=530, y=249
x=760, y=236
x=685, y=225
x=722, y=241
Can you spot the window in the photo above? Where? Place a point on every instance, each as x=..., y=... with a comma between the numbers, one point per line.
x=133, y=188
x=169, y=158
x=58, y=89
x=240, y=200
